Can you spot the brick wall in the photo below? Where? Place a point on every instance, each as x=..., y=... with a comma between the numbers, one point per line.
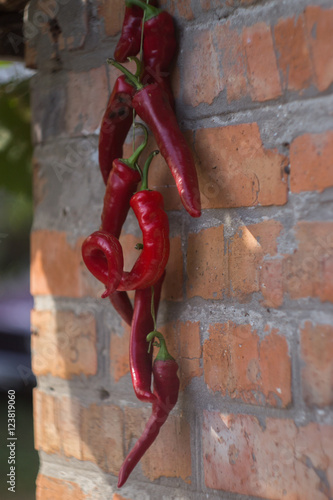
x=247, y=303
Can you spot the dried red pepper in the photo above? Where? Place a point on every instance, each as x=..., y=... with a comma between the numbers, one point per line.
x=103, y=256
x=122, y=183
x=148, y=207
x=116, y=123
x=130, y=38
x=166, y=387
x=159, y=41
x=142, y=324
x=152, y=105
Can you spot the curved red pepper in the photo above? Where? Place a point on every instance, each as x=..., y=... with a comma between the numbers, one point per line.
x=166, y=387
x=103, y=256
x=148, y=208
x=142, y=324
x=116, y=123
x=152, y=105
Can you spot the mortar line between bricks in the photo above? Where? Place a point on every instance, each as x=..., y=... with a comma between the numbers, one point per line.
x=207, y=401
x=58, y=467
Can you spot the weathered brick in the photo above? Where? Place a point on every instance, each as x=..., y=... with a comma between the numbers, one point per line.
x=319, y=25
x=308, y=272
x=310, y=162
x=70, y=416
x=238, y=364
x=183, y=342
x=119, y=353
x=57, y=267
x=170, y=454
x=102, y=436
x=201, y=59
x=173, y=281
x=112, y=14
x=206, y=270
x=119, y=497
x=317, y=371
x=87, y=95
x=184, y=8
x=217, y=267
x=230, y=46
x=235, y=170
x=293, y=54
x=48, y=422
x=246, y=250
x=63, y=344
x=271, y=283
x=262, y=69
x=51, y=488
x=278, y=460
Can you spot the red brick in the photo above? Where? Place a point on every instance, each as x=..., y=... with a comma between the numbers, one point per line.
x=47, y=414
x=202, y=59
x=277, y=460
x=102, y=437
x=119, y=353
x=173, y=281
x=183, y=342
x=112, y=13
x=87, y=95
x=63, y=344
x=317, y=371
x=246, y=250
x=233, y=267
x=206, y=269
x=70, y=416
x=184, y=9
x=235, y=170
x=51, y=488
x=310, y=162
x=57, y=267
x=308, y=271
x=238, y=364
x=170, y=454
x=230, y=46
x=119, y=497
x=319, y=25
x=271, y=283
x=293, y=54
x=262, y=70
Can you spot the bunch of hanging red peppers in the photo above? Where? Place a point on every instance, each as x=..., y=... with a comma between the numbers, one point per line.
x=151, y=31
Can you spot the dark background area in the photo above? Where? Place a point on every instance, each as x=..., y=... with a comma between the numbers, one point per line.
x=15, y=301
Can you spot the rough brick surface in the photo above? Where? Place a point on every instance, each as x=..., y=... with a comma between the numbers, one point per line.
x=232, y=267
x=63, y=344
x=112, y=14
x=170, y=454
x=235, y=170
x=278, y=460
x=317, y=371
x=261, y=63
x=51, y=488
x=238, y=364
x=119, y=352
x=310, y=162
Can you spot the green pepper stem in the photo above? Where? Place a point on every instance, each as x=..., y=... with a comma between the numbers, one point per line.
x=138, y=66
x=133, y=80
x=144, y=184
x=132, y=160
x=163, y=353
x=150, y=10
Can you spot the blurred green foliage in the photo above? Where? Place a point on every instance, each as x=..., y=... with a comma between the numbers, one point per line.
x=15, y=176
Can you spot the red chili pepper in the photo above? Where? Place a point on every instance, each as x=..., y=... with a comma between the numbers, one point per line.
x=142, y=324
x=116, y=122
x=152, y=105
x=130, y=39
x=159, y=41
x=148, y=208
x=103, y=256
x=166, y=387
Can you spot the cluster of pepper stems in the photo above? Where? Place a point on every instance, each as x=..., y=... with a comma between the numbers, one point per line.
x=150, y=31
